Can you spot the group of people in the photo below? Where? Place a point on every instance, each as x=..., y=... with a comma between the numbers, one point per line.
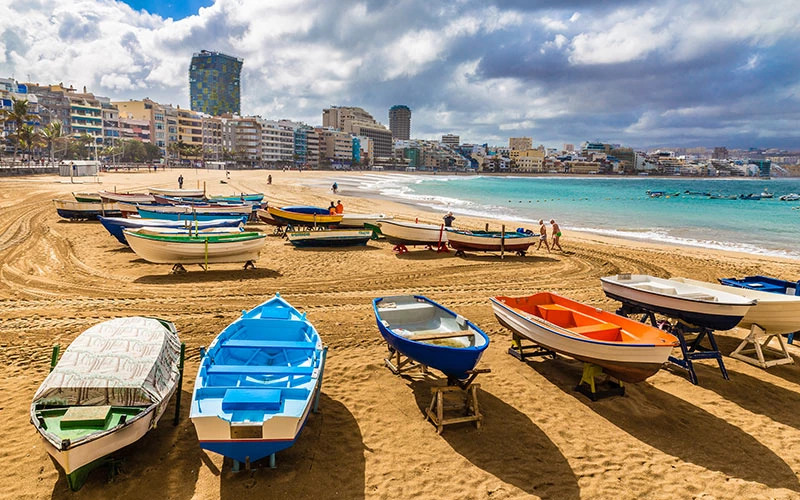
x=338, y=208
x=556, y=232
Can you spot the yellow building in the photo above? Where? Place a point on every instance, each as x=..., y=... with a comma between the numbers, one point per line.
x=520, y=143
x=529, y=160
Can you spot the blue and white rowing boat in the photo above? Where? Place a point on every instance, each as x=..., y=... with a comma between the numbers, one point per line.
x=116, y=225
x=157, y=213
x=430, y=334
x=257, y=383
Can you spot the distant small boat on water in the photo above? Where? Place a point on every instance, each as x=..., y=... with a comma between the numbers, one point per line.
x=766, y=193
x=751, y=196
x=790, y=197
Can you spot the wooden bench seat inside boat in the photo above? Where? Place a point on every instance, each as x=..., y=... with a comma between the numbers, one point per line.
x=600, y=331
x=579, y=323
x=275, y=344
x=252, y=399
x=259, y=370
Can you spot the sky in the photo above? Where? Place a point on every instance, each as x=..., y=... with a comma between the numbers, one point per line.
x=638, y=73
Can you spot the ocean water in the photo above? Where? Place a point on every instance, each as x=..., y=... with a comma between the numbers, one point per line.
x=615, y=206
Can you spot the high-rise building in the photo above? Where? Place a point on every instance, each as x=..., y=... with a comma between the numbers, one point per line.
x=214, y=83
x=720, y=153
x=451, y=140
x=356, y=121
x=520, y=143
x=569, y=147
x=400, y=122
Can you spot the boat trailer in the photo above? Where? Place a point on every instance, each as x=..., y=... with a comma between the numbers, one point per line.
x=690, y=338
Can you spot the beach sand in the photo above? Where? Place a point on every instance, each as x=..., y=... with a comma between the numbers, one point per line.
x=540, y=439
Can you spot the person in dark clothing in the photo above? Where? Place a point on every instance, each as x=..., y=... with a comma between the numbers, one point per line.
x=448, y=219
x=180, y=181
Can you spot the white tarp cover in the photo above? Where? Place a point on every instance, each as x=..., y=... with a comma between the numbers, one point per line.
x=122, y=362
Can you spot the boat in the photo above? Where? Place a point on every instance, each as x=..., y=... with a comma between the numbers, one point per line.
x=87, y=197
x=306, y=209
x=185, y=193
x=257, y=383
x=697, y=193
x=295, y=218
x=264, y=216
x=75, y=210
x=764, y=284
x=430, y=334
x=240, y=198
x=190, y=231
x=766, y=193
x=238, y=209
x=359, y=220
x=490, y=241
x=152, y=212
x=626, y=349
x=723, y=197
x=116, y=225
x=775, y=313
x=111, y=386
x=329, y=238
x=655, y=194
x=699, y=306
x=751, y=196
x=790, y=197
x=412, y=233
x=189, y=249
x=132, y=198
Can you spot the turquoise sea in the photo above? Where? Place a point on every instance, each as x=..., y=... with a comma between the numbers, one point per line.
x=616, y=206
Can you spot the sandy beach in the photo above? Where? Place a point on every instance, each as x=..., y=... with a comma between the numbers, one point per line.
x=540, y=439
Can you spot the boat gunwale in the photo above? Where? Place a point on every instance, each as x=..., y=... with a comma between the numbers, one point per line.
x=750, y=303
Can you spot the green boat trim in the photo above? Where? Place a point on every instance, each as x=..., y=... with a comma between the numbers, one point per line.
x=220, y=238
x=67, y=434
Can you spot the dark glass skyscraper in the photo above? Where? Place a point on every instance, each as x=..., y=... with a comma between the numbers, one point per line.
x=214, y=83
x=400, y=121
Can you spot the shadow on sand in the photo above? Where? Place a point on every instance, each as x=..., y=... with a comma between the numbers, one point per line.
x=197, y=275
x=508, y=445
x=790, y=373
x=167, y=459
x=327, y=461
x=679, y=428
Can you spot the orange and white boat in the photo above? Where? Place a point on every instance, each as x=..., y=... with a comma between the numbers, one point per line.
x=626, y=349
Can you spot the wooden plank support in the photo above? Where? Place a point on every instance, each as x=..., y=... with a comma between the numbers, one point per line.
x=437, y=336
x=760, y=340
x=402, y=364
x=529, y=350
x=467, y=406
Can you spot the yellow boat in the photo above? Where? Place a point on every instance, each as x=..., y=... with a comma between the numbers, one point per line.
x=292, y=218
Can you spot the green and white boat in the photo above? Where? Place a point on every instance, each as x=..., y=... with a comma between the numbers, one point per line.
x=110, y=387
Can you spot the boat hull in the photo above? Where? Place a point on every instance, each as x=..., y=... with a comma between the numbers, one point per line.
x=627, y=362
x=146, y=213
x=333, y=238
x=286, y=217
x=126, y=197
x=491, y=242
x=359, y=220
x=186, y=193
x=454, y=362
x=116, y=226
x=194, y=252
x=76, y=210
x=712, y=315
x=409, y=233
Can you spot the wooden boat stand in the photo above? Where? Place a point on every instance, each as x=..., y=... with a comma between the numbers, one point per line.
x=588, y=386
x=524, y=351
x=691, y=348
x=760, y=340
x=459, y=396
x=403, y=363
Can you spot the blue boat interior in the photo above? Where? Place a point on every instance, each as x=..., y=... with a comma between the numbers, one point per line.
x=415, y=319
x=764, y=284
x=260, y=367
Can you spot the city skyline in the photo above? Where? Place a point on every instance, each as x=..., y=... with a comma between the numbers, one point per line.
x=679, y=74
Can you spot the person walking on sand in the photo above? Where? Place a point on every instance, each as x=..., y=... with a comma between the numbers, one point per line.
x=556, y=235
x=543, y=236
x=269, y=179
x=180, y=181
x=339, y=207
x=335, y=188
x=448, y=219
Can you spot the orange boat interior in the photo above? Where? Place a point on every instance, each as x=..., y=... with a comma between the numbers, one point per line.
x=587, y=321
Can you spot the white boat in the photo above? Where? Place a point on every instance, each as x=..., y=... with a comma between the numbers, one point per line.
x=773, y=312
x=110, y=387
x=766, y=194
x=790, y=197
x=184, y=249
x=209, y=231
x=700, y=306
x=178, y=193
x=132, y=198
x=358, y=220
x=490, y=241
x=70, y=209
x=412, y=233
x=626, y=349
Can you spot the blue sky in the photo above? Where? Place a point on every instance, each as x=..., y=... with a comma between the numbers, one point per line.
x=175, y=10
x=634, y=72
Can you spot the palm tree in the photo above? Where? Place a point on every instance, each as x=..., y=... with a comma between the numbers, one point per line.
x=18, y=115
x=51, y=133
x=29, y=138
